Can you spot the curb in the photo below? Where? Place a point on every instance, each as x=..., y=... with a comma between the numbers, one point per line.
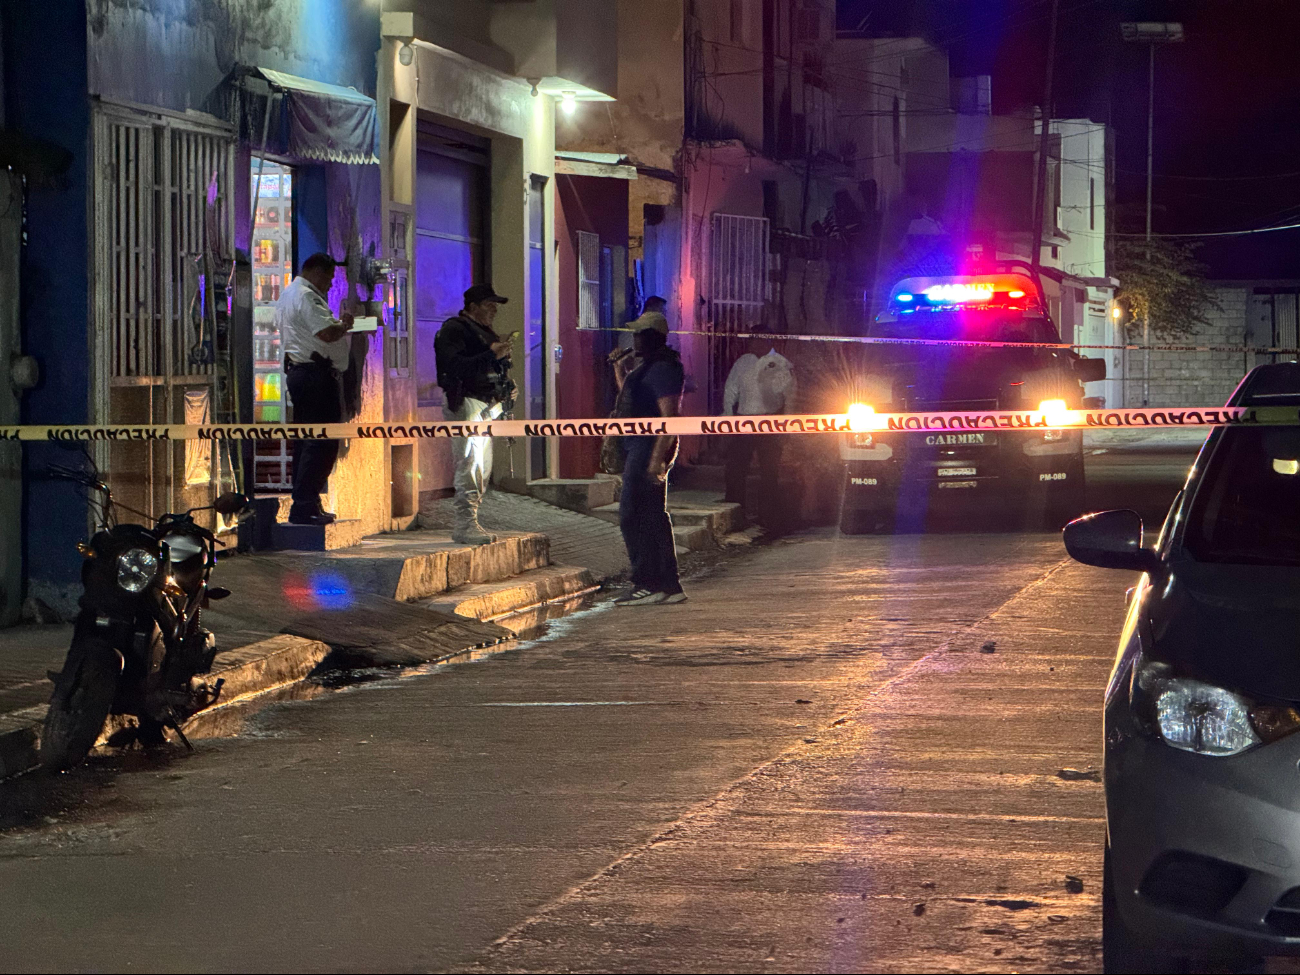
x=248, y=671
x=494, y=601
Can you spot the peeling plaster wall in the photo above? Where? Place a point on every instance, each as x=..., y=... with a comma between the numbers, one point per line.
x=646, y=122
x=174, y=53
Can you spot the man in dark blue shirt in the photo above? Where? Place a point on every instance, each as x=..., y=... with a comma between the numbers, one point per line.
x=650, y=385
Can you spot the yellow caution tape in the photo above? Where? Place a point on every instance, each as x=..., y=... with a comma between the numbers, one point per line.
x=857, y=422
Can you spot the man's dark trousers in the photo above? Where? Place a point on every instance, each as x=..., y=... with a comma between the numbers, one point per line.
x=643, y=517
x=740, y=451
x=316, y=390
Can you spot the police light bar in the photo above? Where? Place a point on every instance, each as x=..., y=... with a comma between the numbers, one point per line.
x=959, y=293
x=1004, y=291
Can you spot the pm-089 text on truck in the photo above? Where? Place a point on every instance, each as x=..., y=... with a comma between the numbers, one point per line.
x=893, y=480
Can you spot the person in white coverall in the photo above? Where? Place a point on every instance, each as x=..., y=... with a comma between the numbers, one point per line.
x=757, y=385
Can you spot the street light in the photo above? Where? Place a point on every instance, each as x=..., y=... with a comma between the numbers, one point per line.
x=1150, y=33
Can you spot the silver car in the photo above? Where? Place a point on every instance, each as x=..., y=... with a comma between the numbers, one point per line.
x=1202, y=759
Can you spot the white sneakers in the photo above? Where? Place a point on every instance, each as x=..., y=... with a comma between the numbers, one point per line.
x=644, y=597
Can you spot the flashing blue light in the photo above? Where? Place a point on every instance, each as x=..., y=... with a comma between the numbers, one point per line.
x=331, y=591
x=905, y=297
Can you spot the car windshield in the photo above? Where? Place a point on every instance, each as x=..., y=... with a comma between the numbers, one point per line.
x=978, y=326
x=1247, y=509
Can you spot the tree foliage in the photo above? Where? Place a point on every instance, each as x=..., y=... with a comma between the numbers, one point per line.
x=1162, y=279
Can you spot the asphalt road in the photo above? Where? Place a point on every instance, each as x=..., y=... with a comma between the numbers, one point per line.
x=842, y=754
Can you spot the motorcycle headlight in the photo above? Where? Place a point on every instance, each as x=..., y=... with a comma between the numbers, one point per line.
x=1194, y=716
x=136, y=568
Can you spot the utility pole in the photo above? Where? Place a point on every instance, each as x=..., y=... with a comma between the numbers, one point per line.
x=1044, y=144
x=1150, y=34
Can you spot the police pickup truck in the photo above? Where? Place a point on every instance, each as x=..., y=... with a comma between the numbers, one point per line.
x=894, y=480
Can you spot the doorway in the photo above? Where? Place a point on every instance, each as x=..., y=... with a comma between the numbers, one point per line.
x=272, y=189
x=450, y=239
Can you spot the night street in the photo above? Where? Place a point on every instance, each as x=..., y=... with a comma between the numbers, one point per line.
x=677, y=486
x=843, y=754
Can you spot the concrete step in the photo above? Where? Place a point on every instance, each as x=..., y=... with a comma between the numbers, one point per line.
x=575, y=494
x=493, y=600
x=272, y=531
x=606, y=512
x=693, y=538
x=720, y=518
x=403, y=565
x=317, y=538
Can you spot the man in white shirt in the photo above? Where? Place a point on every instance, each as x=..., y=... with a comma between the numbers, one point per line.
x=758, y=385
x=316, y=352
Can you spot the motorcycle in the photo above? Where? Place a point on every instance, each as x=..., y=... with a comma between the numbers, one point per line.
x=137, y=647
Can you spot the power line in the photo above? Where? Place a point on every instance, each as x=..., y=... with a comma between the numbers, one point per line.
x=1223, y=179
x=1216, y=233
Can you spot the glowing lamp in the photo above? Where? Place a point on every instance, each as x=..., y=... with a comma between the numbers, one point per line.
x=1015, y=294
x=569, y=102
x=905, y=297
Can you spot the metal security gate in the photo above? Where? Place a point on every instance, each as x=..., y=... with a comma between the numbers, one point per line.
x=162, y=195
x=737, y=271
x=738, y=290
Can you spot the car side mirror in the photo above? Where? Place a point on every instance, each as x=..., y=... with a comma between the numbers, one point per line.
x=1111, y=540
x=230, y=503
x=1090, y=370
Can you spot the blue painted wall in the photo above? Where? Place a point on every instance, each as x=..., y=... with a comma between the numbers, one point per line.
x=165, y=53
x=45, y=96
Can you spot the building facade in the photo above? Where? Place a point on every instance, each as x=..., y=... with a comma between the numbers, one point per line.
x=201, y=174
x=471, y=93
x=210, y=150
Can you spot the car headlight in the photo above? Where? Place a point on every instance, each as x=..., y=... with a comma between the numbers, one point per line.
x=136, y=568
x=1198, y=717
x=862, y=417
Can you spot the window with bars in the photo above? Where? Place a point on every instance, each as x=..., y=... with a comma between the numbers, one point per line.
x=397, y=341
x=153, y=234
x=588, y=280
x=738, y=269
x=162, y=227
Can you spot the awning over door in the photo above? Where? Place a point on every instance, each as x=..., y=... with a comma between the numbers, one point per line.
x=312, y=119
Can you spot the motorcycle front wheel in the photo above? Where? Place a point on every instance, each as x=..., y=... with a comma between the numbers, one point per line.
x=83, y=696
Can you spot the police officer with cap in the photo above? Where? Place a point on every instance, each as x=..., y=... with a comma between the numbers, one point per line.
x=473, y=371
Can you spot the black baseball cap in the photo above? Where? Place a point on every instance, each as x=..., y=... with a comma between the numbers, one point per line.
x=482, y=292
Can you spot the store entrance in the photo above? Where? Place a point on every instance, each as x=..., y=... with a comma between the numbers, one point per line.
x=272, y=270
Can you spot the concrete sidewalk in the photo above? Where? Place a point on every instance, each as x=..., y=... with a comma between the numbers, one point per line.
x=394, y=600
x=701, y=522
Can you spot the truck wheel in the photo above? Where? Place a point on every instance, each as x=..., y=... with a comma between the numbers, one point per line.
x=79, y=706
x=858, y=522
x=1068, y=504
